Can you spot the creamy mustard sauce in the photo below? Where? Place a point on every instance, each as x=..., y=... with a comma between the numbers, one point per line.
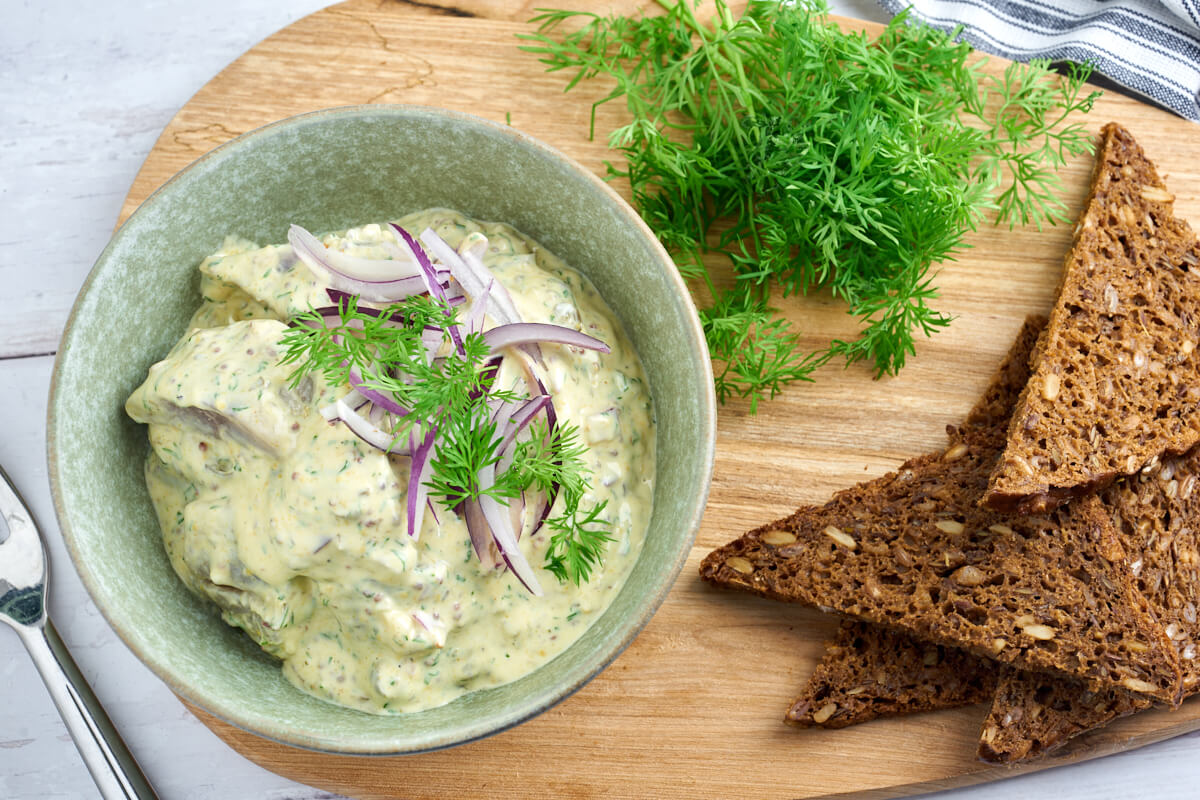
x=295, y=528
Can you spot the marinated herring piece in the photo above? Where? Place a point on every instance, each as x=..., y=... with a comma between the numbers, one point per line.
x=224, y=385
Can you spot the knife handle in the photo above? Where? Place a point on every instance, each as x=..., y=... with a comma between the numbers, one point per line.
x=113, y=767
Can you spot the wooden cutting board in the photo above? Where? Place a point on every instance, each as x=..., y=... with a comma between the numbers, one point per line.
x=694, y=707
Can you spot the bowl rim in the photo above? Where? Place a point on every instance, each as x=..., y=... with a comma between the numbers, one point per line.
x=629, y=629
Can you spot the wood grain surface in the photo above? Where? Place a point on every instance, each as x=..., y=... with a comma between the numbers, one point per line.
x=694, y=707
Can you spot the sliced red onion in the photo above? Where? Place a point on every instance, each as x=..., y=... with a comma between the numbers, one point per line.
x=342, y=300
x=494, y=289
x=351, y=398
x=491, y=368
x=525, y=362
x=523, y=333
x=481, y=537
x=487, y=375
x=415, y=253
x=516, y=514
x=432, y=339
x=366, y=270
x=473, y=276
x=368, y=432
x=431, y=280
x=518, y=419
x=381, y=399
x=396, y=279
x=418, y=474
x=477, y=281
x=432, y=283
x=475, y=318
x=515, y=425
x=339, y=297
x=502, y=411
x=536, y=385
x=503, y=535
x=466, y=277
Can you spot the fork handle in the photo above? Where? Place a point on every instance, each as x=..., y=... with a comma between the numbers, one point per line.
x=113, y=767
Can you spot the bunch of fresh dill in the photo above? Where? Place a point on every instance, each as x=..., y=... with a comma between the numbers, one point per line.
x=817, y=159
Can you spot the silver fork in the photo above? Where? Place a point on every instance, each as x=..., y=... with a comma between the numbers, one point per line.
x=23, y=606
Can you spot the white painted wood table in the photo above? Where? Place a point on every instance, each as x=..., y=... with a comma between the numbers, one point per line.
x=85, y=89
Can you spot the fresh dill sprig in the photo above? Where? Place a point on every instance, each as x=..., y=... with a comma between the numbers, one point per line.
x=547, y=459
x=454, y=395
x=388, y=353
x=817, y=160
x=578, y=541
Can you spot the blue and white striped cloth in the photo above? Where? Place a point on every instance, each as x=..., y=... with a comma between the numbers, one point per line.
x=1151, y=47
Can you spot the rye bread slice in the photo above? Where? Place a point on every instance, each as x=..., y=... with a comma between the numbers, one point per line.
x=869, y=671
x=1157, y=515
x=914, y=550
x=1118, y=383
x=1034, y=714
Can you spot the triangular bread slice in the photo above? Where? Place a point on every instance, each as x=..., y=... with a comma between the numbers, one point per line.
x=1157, y=514
x=1034, y=714
x=1118, y=383
x=914, y=550
x=869, y=671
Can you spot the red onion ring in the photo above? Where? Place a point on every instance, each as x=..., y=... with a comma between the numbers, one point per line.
x=523, y=333
x=418, y=474
x=392, y=280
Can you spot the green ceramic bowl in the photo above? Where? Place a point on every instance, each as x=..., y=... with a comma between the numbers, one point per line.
x=330, y=170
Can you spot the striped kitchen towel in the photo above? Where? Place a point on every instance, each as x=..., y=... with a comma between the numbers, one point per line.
x=1151, y=47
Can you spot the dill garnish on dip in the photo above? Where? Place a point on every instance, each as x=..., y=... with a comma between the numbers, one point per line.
x=408, y=466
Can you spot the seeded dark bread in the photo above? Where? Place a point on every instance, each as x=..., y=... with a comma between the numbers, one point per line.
x=914, y=550
x=1157, y=515
x=1118, y=383
x=1034, y=714
x=869, y=671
